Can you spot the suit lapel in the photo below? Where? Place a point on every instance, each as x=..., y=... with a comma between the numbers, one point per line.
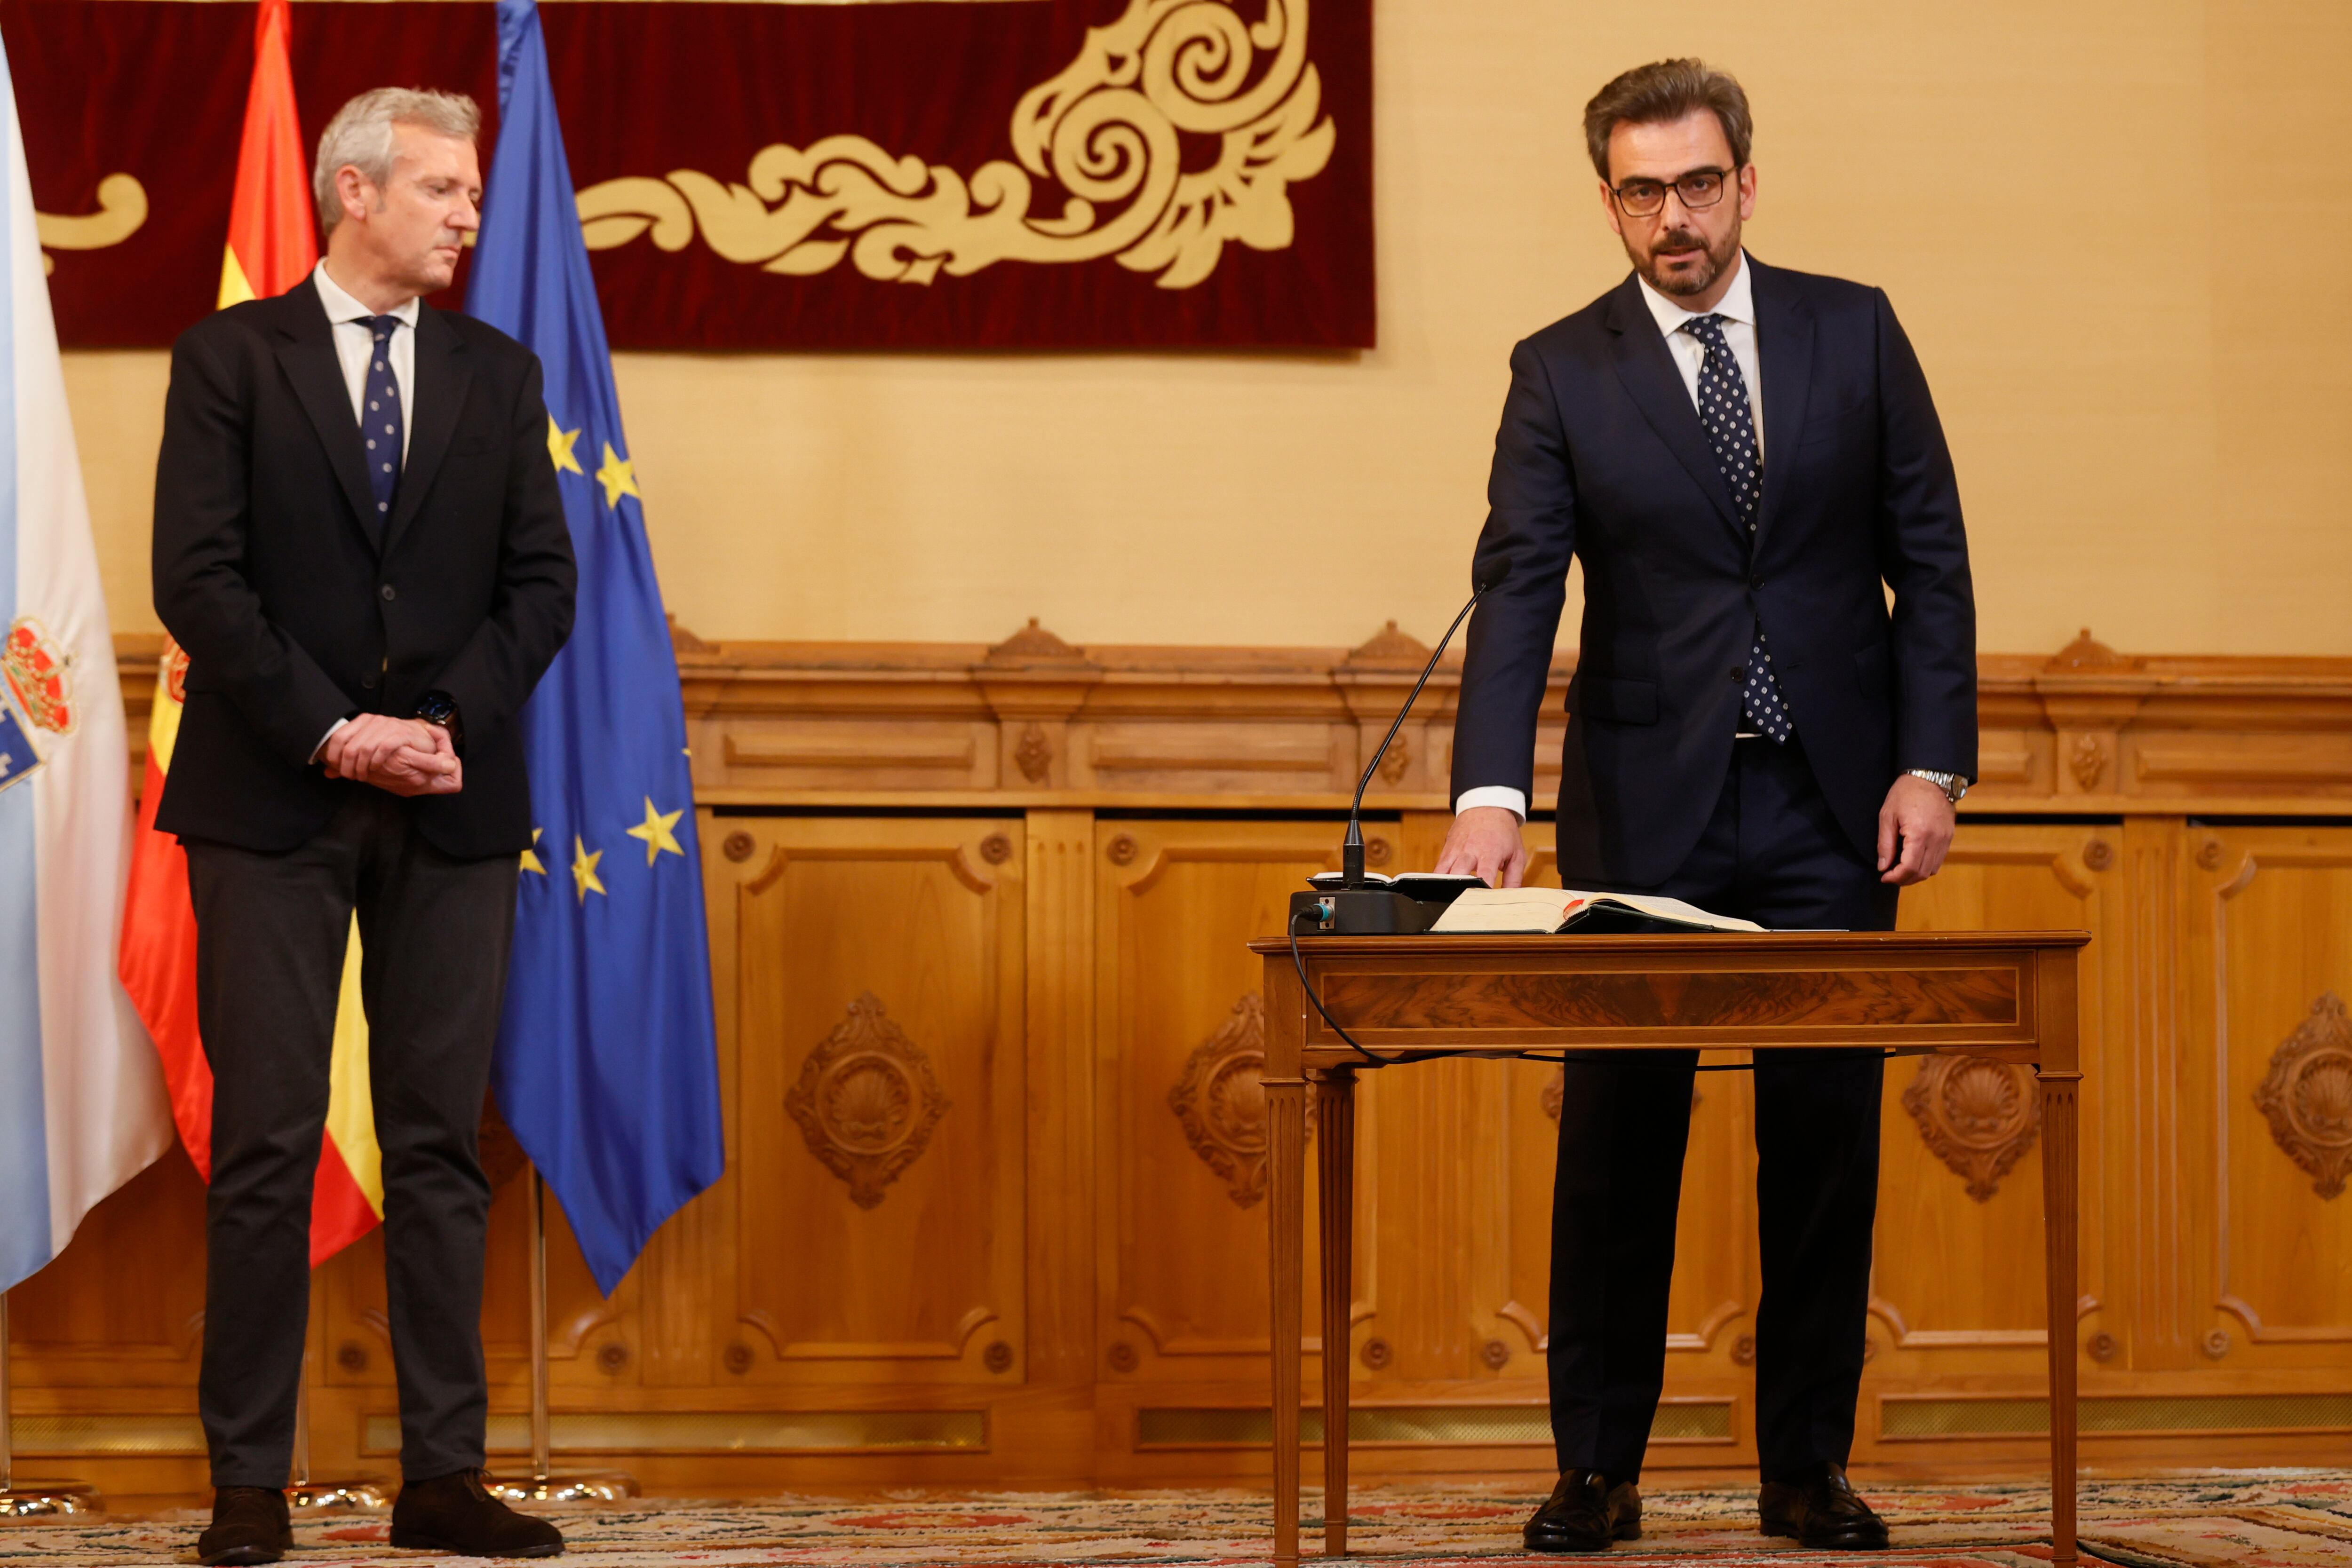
x=1646, y=368
x=1784, y=351
x=306, y=350
x=442, y=379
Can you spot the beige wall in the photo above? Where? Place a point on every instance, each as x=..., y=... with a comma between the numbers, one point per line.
x=2114, y=229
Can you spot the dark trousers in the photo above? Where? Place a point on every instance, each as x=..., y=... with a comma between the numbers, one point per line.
x=1771, y=853
x=271, y=932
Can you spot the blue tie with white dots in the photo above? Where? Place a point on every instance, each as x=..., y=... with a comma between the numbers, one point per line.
x=1731, y=430
x=380, y=420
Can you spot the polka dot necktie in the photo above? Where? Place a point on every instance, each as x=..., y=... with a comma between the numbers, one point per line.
x=380, y=420
x=1731, y=430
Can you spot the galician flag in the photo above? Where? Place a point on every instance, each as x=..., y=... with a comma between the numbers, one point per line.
x=607, y=1066
x=272, y=246
x=82, y=1101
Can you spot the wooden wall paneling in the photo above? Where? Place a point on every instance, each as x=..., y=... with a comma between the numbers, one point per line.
x=2269, y=1121
x=1956, y=1281
x=880, y=1099
x=1180, y=1139
x=104, y=1344
x=123, y=1304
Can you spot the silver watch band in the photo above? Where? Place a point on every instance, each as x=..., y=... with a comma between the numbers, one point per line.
x=1952, y=784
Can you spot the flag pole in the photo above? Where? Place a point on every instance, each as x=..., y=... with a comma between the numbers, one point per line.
x=33, y=1497
x=544, y=1485
x=302, y=1494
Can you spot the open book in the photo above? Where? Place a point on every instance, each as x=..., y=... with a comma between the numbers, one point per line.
x=1552, y=909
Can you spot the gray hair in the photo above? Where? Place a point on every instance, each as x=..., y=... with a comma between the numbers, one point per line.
x=360, y=137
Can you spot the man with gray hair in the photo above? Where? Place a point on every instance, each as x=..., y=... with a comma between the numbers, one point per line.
x=359, y=542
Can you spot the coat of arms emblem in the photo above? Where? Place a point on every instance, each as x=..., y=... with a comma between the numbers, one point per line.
x=40, y=693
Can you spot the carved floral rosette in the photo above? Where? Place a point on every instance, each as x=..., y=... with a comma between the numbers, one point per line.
x=866, y=1101
x=1976, y=1116
x=1105, y=137
x=2307, y=1095
x=1220, y=1101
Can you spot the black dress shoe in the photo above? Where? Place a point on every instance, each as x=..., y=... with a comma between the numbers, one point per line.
x=1585, y=1513
x=457, y=1513
x=1821, y=1509
x=250, y=1524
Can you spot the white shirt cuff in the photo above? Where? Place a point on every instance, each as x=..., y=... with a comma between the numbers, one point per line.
x=341, y=722
x=1503, y=795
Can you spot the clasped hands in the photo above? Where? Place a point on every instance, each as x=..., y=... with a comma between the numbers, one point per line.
x=403, y=756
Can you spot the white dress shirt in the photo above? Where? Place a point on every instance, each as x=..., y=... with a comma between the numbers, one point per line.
x=355, y=341
x=354, y=345
x=1738, y=310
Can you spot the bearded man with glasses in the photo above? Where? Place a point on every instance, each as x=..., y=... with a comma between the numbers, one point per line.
x=1773, y=716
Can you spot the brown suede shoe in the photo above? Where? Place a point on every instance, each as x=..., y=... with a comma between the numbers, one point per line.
x=250, y=1524
x=457, y=1513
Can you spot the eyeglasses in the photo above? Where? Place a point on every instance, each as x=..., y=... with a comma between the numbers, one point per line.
x=1698, y=189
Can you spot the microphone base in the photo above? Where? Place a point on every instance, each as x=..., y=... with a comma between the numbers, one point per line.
x=1366, y=912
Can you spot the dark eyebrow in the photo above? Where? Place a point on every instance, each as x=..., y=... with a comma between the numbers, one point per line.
x=1715, y=169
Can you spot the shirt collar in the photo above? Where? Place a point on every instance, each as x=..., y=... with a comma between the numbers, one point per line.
x=1738, y=304
x=341, y=307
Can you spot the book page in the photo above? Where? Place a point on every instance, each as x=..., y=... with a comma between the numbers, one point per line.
x=1668, y=909
x=1507, y=909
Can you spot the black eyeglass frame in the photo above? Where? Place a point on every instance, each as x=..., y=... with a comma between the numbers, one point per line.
x=1728, y=178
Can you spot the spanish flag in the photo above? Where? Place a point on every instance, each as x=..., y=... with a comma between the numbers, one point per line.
x=271, y=248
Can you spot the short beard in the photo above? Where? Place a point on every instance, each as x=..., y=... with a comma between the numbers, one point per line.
x=1687, y=284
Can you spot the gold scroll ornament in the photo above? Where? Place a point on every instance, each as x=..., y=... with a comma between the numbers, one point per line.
x=122, y=208
x=1105, y=130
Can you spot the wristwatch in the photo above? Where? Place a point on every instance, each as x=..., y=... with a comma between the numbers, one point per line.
x=1952, y=784
x=441, y=708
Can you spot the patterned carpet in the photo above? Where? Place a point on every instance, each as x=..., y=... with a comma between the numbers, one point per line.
x=2267, y=1519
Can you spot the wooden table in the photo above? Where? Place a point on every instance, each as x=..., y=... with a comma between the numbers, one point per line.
x=2006, y=995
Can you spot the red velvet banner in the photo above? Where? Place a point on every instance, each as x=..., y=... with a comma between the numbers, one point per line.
x=1067, y=173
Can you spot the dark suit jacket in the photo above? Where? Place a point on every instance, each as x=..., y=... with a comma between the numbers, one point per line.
x=270, y=571
x=1600, y=457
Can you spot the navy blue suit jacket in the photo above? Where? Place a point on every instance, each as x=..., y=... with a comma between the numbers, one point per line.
x=1601, y=457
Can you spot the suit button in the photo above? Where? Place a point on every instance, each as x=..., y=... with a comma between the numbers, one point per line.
x=388, y=594
x=1755, y=581
x=1739, y=674
x=367, y=683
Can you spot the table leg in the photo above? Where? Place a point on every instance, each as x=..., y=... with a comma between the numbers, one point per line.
x=1286, y=1118
x=1335, y=1134
x=2059, y=1215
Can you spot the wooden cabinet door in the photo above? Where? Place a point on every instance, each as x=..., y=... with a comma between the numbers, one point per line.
x=874, y=1210
x=1180, y=1118
x=2265, y=1285
x=1957, y=1279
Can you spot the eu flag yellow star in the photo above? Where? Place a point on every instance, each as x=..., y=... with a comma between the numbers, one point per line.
x=618, y=478
x=530, y=861
x=655, y=831
x=559, y=446
x=584, y=869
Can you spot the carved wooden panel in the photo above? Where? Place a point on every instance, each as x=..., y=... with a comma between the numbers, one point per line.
x=1184, y=1264
x=866, y=1099
x=877, y=1169
x=1977, y=1116
x=2271, y=912
x=2307, y=1095
x=1221, y=1105
x=1957, y=1281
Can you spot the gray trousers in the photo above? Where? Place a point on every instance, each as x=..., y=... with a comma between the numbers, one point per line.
x=272, y=931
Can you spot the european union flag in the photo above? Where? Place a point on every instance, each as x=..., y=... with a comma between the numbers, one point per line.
x=607, y=1066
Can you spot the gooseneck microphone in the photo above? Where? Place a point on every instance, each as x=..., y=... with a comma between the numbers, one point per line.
x=1351, y=847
